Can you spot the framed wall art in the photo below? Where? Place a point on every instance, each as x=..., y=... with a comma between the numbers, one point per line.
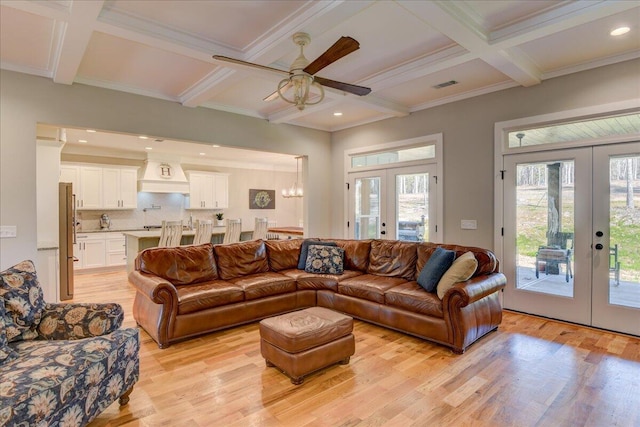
x=262, y=199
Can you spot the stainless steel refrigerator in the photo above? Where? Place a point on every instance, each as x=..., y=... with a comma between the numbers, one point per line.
x=67, y=238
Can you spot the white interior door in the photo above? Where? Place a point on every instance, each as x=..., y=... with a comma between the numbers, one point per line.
x=394, y=203
x=571, y=227
x=616, y=234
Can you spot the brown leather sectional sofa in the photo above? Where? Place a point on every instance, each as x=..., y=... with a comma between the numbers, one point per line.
x=187, y=291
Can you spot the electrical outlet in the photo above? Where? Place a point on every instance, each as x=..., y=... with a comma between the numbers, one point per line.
x=7, y=231
x=469, y=224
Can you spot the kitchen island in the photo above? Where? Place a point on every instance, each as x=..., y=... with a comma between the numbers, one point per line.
x=137, y=240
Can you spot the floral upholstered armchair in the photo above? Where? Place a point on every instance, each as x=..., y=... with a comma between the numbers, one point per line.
x=60, y=364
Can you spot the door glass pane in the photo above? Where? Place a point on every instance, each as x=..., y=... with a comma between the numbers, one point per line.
x=624, y=229
x=412, y=207
x=545, y=227
x=367, y=208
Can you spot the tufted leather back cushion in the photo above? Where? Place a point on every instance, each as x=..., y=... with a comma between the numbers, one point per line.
x=356, y=253
x=283, y=254
x=487, y=261
x=241, y=259
x=181, y=265
x=393, y=258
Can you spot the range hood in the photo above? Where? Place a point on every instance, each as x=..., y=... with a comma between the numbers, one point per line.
x=162, y=176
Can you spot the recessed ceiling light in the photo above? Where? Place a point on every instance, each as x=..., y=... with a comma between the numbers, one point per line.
x=143, y=137
x=148, y=148
x=337, y=113
x=82, y=140
x=202, y=154
x=91, y=130
x=215, y=146
x=620, y=31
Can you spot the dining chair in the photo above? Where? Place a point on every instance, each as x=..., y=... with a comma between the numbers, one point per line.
x=204, y=229
x=271, y=235
x=171, y=234
x=260, y=228
x=233, y=230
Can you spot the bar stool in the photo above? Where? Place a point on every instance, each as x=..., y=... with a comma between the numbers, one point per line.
x=260, y=228
x=171, y=234
x=204, y=229
x=233, y=230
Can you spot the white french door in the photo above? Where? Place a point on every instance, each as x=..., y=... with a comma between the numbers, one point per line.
x=571, y=227
x=394, y=203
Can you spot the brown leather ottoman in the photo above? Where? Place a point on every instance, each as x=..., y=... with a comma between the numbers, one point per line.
x=304, y=341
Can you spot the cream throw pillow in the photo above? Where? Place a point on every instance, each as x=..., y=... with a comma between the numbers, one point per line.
x=461, y=270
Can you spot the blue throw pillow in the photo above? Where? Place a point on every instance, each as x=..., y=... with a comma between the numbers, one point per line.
x=304, y=251
x=434, y=268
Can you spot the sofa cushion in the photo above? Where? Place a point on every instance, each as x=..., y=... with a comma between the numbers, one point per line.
x=393, y=258
x=264, y=284
x=412, y=297
x=206, y=295
x=23, y=301
x=432, y=272
x=304, y=250
x=356, y=253
x=487, y=261
x=283, y=254
x=241, y=259
x=323, y=281
x=368, y=286
x=6, y=352
x=461, y=270
x=67, y=382
x=180, y=265
x=325, y=260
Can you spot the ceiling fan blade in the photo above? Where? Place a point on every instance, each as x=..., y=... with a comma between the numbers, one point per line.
x=237, y=63
x=347, y=87
x=343, y=47
x=275, y=94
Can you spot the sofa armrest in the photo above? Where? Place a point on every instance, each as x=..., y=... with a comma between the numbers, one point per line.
x=473, y=309
x=155, y=306
x=474, y=289
x=70, y=321
x=157, y=289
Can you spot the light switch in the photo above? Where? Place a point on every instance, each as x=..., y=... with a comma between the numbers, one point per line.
x=469, y=224
x=8, y=231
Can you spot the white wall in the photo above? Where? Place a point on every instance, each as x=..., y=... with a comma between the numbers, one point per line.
x=468, y=129
x=47, y=174
x=26, y=100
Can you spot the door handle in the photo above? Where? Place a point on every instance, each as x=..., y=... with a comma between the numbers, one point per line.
x=383, y=232
x=599, y=233
x=599, y=246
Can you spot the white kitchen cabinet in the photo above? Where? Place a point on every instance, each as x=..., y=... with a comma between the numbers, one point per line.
x=95, y=250
x=102, y=187
x=221, y=195
x=90, y=250
x=115, y=249
x=208, y=190
x=119, y=188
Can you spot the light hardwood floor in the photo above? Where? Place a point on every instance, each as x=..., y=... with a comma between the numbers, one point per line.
x=531, y=372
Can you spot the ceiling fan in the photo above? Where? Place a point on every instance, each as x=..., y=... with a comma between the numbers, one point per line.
x=301, y=75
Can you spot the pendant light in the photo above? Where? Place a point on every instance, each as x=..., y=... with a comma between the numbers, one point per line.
x=296, y=189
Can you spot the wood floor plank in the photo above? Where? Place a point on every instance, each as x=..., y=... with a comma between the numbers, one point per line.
x=531, y=372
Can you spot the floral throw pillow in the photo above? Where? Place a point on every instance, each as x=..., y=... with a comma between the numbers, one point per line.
x=23, y=301
x=325, y=260
x=6, y=353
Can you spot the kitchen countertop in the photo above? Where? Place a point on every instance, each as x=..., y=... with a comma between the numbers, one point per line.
x=112, y=230
x=155, y=232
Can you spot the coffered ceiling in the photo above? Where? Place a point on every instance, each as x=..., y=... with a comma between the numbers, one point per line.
x=163, y=49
